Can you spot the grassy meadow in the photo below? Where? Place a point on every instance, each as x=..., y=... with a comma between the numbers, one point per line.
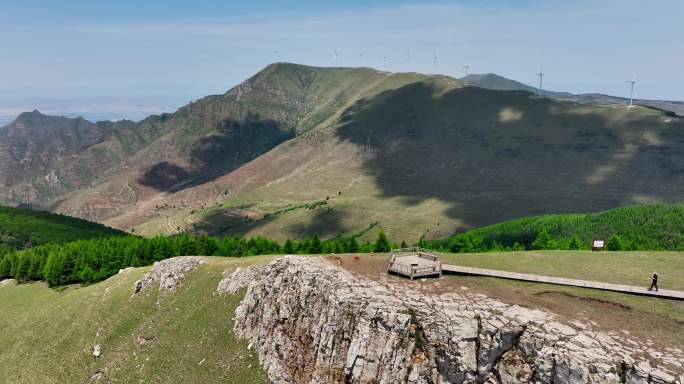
x=48, y=334
x=631, y=268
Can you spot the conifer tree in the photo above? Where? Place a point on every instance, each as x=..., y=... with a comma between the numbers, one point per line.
x=352, y=245
x=315, y=245
x=544, y=240
x=288, y=248
x=382, y=244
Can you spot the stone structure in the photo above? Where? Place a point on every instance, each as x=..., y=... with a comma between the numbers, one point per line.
x=314, y=322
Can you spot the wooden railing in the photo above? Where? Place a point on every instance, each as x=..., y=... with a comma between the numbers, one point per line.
x=414, y=270
x=427, y=256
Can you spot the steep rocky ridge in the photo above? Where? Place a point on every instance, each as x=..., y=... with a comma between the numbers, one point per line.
x=34, y=144
x=110, y=165
x=44, y=157
x=314, y=322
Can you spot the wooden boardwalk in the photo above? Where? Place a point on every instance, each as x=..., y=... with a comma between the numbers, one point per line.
x=663, y=293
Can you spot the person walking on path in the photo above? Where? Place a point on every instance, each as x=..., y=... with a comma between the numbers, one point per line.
x=654, y=282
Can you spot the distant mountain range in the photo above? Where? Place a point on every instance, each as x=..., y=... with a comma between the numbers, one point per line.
x=496, y=82
x=500, y=83
x=297, y=150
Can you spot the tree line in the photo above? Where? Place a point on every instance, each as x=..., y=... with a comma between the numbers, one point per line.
x=635, y=228
x=650, y=227
x=543, y=240
x=91, y=260
x=24, y=228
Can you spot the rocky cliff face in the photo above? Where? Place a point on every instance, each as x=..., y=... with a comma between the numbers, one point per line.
x=314, y=322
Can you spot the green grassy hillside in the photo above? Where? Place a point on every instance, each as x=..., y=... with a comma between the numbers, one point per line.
x=183, y=337
x=217, y=134
x=645, y=227
x=433, y=158
x=635, y=268
x=120, y=164
x=21, y=228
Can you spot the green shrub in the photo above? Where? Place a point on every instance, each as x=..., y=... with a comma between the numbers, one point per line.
x=544, y=240
x=615, y=243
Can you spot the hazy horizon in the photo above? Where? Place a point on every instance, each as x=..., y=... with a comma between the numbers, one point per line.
x=131, y=60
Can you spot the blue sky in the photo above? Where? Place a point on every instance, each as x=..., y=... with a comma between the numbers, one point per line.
x=130, y=58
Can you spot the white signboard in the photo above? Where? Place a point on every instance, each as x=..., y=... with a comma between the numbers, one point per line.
x=598, y=243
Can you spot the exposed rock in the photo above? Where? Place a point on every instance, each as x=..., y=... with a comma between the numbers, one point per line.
x=239, y=278
x=167, y=274
x=6, y=282
x=313, y=322
x=99, y=377
x=97, y=350
x=125, y=270
x=143, y=341
x=512, y=368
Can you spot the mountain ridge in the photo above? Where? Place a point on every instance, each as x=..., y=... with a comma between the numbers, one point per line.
x=497, y=82
x=418, y=154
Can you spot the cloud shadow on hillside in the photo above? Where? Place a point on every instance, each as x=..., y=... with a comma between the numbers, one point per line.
x=234, y=143
x=498, y=155
x=325, y=222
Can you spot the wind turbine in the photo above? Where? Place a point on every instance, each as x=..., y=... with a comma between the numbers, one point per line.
x=541, y=79
x=335, y=56
x=465, y=69
x=631, y=90
x=435, y=58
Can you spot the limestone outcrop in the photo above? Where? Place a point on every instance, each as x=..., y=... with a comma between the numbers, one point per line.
x=167, y=274
x=314, y=322
x=235, y=280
